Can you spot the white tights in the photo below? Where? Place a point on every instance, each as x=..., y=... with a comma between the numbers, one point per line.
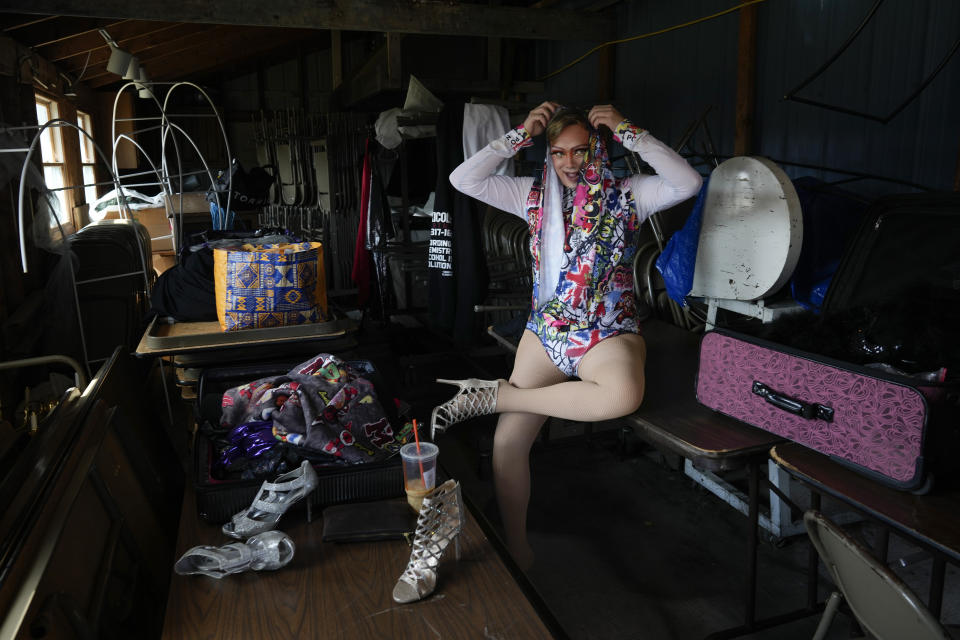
x=611, y=385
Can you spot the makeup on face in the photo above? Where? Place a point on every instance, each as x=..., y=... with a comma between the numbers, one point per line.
x=568, y=151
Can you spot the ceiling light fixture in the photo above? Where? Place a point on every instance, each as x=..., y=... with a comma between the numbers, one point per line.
x=68, y=89
x=133, y=69
x=120, y=60
x=145, y=86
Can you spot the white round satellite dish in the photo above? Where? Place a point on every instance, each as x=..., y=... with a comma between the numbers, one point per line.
x=751, y=233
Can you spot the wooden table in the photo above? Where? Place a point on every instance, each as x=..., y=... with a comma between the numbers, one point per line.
x=931, y=521
x=670, y=418
x=344, y=591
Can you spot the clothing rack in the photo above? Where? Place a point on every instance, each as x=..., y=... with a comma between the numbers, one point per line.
x=289, y=140
x=318, y=161
x=305, y=222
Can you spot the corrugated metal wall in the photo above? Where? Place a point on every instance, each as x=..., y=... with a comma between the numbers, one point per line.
x=665, y=82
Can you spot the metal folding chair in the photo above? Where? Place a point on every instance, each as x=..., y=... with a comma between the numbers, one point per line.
x=882, y=603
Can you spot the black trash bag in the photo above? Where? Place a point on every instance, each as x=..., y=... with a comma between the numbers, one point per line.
x=248, y=188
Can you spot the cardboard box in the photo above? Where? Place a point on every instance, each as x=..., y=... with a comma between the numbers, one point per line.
x=157, y=224
x=163, y=261
x=193, y=202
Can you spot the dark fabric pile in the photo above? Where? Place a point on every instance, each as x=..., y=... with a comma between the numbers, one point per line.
x=325, y=410
x=187, y=292
x=914, y=333
x=324, y=406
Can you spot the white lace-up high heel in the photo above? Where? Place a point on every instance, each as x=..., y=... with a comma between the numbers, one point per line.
x=475, y=398
x=441, y=520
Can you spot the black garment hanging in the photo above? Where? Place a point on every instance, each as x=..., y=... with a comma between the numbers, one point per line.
x=458, y=268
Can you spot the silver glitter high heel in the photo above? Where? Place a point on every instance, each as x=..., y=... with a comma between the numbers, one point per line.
x=272, y=501
x=475, y=398
x=440, y=521
x=268, y=551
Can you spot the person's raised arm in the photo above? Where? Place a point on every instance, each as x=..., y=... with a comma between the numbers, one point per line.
x=475, y=176
x=675, y=181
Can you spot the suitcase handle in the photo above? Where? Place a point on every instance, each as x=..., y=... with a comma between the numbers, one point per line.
x=808, y=410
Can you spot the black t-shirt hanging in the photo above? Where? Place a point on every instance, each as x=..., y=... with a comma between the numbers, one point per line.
x=458, y=270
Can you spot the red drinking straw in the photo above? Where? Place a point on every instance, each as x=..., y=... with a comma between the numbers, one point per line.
x=419, y=461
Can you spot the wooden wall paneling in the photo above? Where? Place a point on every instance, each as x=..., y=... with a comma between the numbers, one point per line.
x=17, y=108
x=494, y=59
x=303, y=84
x=336, y=58
x=746, y=81
x=956, y=173
x=72, y=170
x=394, y=60
x=605, y=75
x=507, y=89
x=127, y=154
x=494, y=53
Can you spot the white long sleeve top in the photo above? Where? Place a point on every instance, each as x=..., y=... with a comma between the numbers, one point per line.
x=675, y=181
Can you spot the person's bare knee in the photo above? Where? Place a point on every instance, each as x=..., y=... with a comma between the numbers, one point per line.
x=630, y=397
x=616, y=367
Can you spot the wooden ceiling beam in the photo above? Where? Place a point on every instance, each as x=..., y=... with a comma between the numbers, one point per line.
x=60, y=29
x=394, y=16
x=156, y=53
x=543, y=4
x=265, y=59
x=208, y=56
x=10, y=22
x=600, y=5
x=142, y=46
x=185, y=57
x=124, y=33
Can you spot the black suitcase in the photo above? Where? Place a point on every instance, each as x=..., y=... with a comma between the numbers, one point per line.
x=904, y=242
x=220, y=498
x=874, y=381
x=114, y=275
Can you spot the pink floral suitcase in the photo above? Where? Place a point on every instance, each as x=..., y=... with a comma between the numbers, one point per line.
x=870, y=421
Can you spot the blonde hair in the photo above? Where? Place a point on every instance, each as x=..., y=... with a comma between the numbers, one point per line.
x=563, y=119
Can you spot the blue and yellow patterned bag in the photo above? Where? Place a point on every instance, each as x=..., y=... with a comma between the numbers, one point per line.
x=270, y=285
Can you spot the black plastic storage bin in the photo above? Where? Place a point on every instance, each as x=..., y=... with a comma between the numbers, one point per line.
x=218, y=500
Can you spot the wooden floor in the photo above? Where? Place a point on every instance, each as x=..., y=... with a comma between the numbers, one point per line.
x=344, y=591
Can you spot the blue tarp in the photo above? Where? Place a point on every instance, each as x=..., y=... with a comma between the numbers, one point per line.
x=679, y=258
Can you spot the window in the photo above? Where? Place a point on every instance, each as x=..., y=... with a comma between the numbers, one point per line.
x=87, y=156
x=51, y=149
